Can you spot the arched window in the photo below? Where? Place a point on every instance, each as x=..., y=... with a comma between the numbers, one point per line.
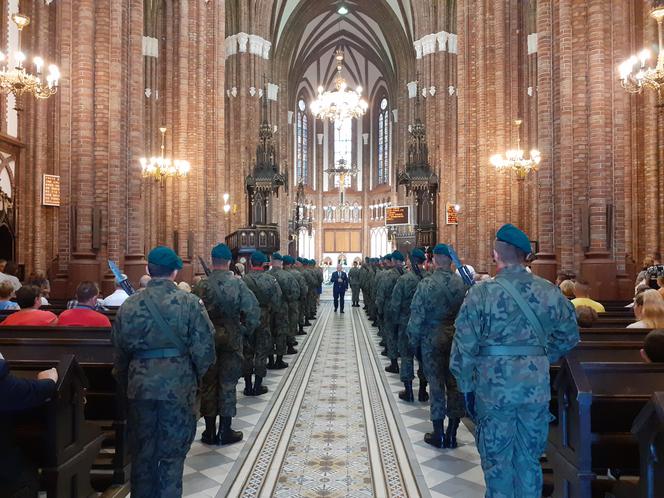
x=305, y=241
x=380, y=243
x=343, y=147
x=302, y=145
x=384, y=139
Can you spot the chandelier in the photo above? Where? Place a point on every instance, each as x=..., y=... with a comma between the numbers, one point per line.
x=515, y=160
x=341, y=103
x=15, y=79
x=163, y=167
x=635, y=75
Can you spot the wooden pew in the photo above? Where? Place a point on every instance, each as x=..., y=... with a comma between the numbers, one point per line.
x=56, y=437
x=105, y=406
x=595, y=334
x=597, y=404
x=648, y=428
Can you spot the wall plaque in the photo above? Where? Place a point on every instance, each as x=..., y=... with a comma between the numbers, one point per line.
x=452, y=215
x=51, y=190
x=398, y=215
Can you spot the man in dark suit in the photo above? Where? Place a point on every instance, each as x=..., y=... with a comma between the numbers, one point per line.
x=19, y=476
x=340, y=284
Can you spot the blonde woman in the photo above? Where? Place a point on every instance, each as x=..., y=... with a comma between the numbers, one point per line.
x=567, y=288
x=648, y=310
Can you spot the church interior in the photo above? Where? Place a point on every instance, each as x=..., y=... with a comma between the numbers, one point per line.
x=336, y=132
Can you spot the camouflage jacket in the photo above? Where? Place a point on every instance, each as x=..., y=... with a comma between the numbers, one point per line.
x=290, y=287
x=311, y=278
x=266, y=289
x=302, y=282
x=364, y=277
x=354, y=277
x=434, y=306
x=490, y=316
x=384, y=288
x=134, y=329
x=397, y=308
x=233, y=308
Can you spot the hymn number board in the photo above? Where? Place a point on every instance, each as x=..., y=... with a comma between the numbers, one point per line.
x=51, y=190
x=398, y=215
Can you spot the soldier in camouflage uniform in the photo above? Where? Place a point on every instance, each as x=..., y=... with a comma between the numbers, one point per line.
x=388, y=326
x=164, y=344
x=431, y=329
x=507, y=333
x=312, y=285
x=289, y=266
x=259, y=345
x=364, y=281
x=286, y=321
x=235, y=313
x=398, y=309
x=354, y=280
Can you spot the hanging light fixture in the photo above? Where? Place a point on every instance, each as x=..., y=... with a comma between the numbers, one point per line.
x=163, y=167
x=635, y=75
x=515, y=160
x=341, y=103
x=17, y=80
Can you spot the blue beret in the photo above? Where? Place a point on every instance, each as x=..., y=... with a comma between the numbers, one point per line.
x=166, y=257
x=258, y=258
x=387, y=257
x=221, y=251
x=418, y=255
x=397, y=256
x=289, y=260
x=515, y=237
x=442, y=249
x=277, y=256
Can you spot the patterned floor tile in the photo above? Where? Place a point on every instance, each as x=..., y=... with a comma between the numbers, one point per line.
x=326, y=449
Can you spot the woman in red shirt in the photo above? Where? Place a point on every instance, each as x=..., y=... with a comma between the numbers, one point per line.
x=28, y=298
x=84, y=314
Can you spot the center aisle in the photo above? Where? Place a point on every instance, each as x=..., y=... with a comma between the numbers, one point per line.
x=332, y=426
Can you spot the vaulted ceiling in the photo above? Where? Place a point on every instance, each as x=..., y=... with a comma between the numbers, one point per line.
x=376, y=36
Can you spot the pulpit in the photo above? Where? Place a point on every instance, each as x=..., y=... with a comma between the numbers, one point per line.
x=262, y=186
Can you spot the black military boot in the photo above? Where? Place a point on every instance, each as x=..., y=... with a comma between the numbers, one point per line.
x=300, y=330
x=423, y=395
x=382, y=343
x=280, y=364
x=393, y=367
x=259, y=388
x=291, y=350
x=209, y=435
x=226, y=434
x=450, y=440
x=270, y=362
x=307, y=323
x=435, y=438
x=407, y=393
x=248, y=387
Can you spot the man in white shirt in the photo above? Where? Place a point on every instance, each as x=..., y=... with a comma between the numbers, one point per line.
x=118, y=297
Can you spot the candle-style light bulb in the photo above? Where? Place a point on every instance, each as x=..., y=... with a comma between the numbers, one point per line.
x=39, y=63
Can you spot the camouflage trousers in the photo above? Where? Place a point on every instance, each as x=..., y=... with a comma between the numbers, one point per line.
x=355, y=294
x=280, y=331
x=160, y=435
x=511, y=440
x=313, y=301
x=389, y=332
x=444, y=393
x=303, y=311
x=218, y=389
x=293, y=321
x=257, y=346
x=407, y=367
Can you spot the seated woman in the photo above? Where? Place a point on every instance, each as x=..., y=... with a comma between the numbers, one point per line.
x=28, y=298
x=586, y=316
x=567, y=288
x=648, y=310
x=6, y=292
x=40, y=280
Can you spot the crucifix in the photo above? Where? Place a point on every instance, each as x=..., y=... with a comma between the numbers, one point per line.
x=342, y=171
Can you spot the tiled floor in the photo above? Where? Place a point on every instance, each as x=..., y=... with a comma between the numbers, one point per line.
x=332, y=425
